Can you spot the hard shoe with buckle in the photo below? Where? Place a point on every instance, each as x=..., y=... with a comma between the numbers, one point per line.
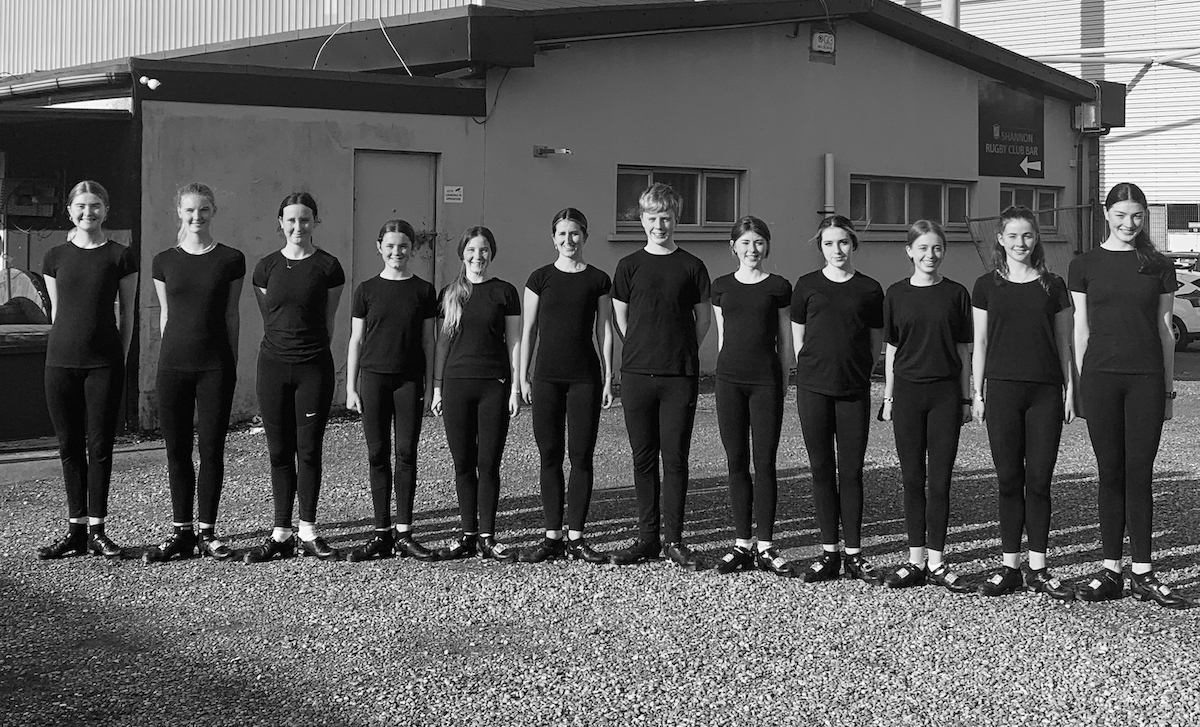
x=1001, y=583
x=906, y=576
x=461, y=547
x=100, y=544
x=578, y=549
x=683, y=556
x=946, y=578
x=1146, y=587
x=73, y=543
x=1107, y=585
x=210, y=546
x=548, y=549
x=825, y=568
x=1040, y=581
x=181, y=543
x=377, y=547
x=407, y=547
x=639, y=551
x=270, y=550
x=856, y=566
x=771, y=561
x=492, y=549
x=736, y=559
x=317, y=547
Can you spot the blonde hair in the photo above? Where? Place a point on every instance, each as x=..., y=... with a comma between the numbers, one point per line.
x=194, y=189
x=458, y=292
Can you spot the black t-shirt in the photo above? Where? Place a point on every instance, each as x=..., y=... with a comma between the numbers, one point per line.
x=1020, y=328
x=661, y=290
x=750, y=314
x=1122, y=310
x=924, y=324
x=393, y=314
x=567, y=305
x=294, y=324
x=85, y=333
x=478, y=351
x=836, y=358
x=196, y=338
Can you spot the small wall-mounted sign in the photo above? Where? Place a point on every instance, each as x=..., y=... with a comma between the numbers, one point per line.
x=452, y=195
x=822, y=44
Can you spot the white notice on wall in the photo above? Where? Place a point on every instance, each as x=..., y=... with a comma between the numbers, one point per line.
x=452, y=195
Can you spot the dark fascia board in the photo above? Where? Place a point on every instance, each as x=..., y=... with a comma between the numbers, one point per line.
x=25, y=115
x=335, y=90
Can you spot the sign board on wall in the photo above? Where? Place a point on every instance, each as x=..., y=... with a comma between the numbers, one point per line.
x=452, y=195
x=1012, y=132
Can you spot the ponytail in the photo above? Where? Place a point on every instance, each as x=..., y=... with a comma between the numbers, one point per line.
x=458, y=292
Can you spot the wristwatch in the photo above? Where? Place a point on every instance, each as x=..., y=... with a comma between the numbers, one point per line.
x=1171, y=394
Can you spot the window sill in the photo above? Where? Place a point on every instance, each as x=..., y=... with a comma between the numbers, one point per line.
x=898, y=233
x=686, y=236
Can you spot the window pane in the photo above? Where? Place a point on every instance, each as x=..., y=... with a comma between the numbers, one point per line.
x=1046, y=200
x=1023, y=197
x=687, y=184
x=858, y=201
x=1179, y=215
x=956, y=201
x=887, y=203
x=630, y=186
x=1046, y=220
x=720, y=199
x=924, y=201
x=1006, y=199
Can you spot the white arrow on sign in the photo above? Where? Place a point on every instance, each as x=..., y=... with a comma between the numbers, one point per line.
x=1026, y=165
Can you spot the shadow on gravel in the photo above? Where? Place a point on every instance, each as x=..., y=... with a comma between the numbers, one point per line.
x=72, y=662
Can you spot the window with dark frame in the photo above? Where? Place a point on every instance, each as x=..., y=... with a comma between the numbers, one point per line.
x=1039, y=199
x=901, y=202
x=711, y=197
x=1180, y=215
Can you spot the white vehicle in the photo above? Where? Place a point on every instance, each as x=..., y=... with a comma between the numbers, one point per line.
x=1185, y=321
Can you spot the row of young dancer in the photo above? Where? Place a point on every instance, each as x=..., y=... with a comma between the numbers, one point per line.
x=470, y=348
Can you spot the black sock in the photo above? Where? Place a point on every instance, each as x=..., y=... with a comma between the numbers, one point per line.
x=76, y=528
x=97, y=529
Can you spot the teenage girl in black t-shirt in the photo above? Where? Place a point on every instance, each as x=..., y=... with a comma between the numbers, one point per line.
x=198, y=282
x=1123, y=292
x=837, y=329
x=298, y=290
x=565, y=304
x=927, y=326
x=389, y=367
x=1023, y=353
x=476, y=390
x=755, y=353
x=85, y=364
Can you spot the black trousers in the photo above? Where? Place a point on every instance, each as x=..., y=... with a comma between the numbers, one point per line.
x=835, y=434
x=750, y=417
x=294, y=399
x=390, y=401
x=475, y=412
x=207, y=397
x=659, y=413
x=1125, y=418
x=1024, y=425
x=84, y=406
x=926, y=419
x=566, y=417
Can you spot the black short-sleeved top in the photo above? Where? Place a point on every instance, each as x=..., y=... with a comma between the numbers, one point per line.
x=925, y=324
x=836, y=358
x=85, y=333
x=567, y=305
x=661, y=291
x=294, y=324
x=196, y=338
x=1020, y=327
x=394, y=314
x=750, y=324
x=478, y=351
x=1122, y=310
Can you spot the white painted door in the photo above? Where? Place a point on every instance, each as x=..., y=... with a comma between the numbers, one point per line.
x=394, y=185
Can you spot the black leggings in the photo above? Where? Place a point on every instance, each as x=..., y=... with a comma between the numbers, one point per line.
x=209, y=396
x=388, y=399
x=566, y=415
x=835, y=435
x=659, y=413
x=294, y=399
x=749, y=413
x=926, y=419
x=1125, y=418
x=475, y=412
x=1024, y=425
x=84, y=405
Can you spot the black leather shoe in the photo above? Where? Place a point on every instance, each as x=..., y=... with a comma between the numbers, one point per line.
x=1106, y=585
x=461, y=547
x=1041, y=581
x=101, y=544
x=948, y=579
x=318, y=548
x=771, y=561
x=1146, y=587
x=825, y=568
x=856, y=566
x=906, y=576
x=492, y=549
x=639, y=551
x=682, y=556
x=378, y=546
x=1002, y=582
x=180, y=543
x=210, y=546
x=548, y=549
x=73, y=543
x=736, y=559
x=578, y=549
x=407, y=547
x=271, y=549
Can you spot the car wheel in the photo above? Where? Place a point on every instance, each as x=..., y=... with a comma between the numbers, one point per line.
x=1180, y=334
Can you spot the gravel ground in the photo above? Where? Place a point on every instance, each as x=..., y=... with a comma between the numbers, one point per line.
x=301, y=642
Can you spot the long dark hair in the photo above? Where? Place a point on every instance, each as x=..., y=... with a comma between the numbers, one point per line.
x=458, y=292
x=1037, y=259
x=399, y=226
x=1152, y=261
